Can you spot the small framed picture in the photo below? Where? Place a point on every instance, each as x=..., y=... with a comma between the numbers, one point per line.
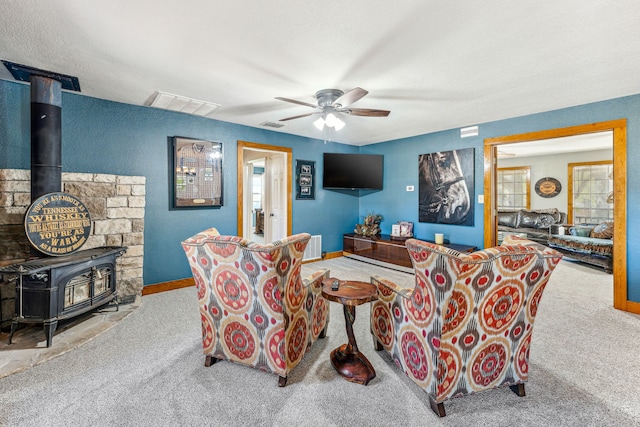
x=406, y=228
x=305, y=185
x=305, y=180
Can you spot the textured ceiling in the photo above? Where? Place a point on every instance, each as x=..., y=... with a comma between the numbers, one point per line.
x=436, y=65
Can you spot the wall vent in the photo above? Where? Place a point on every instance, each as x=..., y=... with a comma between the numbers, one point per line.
x=271, y=124
x=314, y=249
x=470, y=131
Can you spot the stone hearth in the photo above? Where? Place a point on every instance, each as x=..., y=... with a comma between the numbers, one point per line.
x=117, y=206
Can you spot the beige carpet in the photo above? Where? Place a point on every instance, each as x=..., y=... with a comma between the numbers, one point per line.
x=148, y=370
x=28, y=346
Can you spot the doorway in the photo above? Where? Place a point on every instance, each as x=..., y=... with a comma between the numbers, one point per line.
x=264, y=191
x=619, y=129
x=256, y=192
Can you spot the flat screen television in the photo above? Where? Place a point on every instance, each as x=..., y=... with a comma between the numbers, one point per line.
x=352, y=171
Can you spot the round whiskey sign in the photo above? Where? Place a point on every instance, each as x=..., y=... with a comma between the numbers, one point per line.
x=548, y=187
x=57, y=224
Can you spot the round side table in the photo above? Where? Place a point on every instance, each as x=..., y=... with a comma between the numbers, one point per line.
x=347, y=359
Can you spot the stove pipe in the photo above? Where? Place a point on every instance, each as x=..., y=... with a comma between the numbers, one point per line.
x=46, y=136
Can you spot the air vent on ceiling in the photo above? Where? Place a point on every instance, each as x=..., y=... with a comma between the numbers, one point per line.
x=271, y=124
x=23, y=73
x=183, y=104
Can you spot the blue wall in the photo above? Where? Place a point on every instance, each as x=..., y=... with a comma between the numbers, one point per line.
x=401, y=169
x=100, y=136
x=106, y=137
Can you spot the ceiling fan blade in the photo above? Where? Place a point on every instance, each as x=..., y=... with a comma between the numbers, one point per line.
x=306, y=104
x=350, y=97
x=298, y=117
x=367, y=112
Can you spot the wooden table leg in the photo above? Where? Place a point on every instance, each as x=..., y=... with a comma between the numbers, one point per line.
x=347, y=359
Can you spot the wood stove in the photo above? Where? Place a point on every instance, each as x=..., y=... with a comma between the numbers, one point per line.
x=53, y=289
x=70, y=282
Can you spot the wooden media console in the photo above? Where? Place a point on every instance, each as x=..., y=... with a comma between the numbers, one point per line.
x=385, y=250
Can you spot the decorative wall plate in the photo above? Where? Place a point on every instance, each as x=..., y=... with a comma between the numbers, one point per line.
x=548, y=187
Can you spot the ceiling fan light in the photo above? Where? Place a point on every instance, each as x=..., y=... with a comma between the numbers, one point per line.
x=319, y=123
x=339, y=124
x=331, y=120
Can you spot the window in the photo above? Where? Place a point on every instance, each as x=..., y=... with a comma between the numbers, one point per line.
x=514, y=188
x=590, y=192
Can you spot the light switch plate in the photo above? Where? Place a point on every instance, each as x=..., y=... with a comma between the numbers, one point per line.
x=481, y=199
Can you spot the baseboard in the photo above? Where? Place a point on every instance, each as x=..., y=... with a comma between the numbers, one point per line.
x=633, y=307
x=330, y=255
x=167, y=286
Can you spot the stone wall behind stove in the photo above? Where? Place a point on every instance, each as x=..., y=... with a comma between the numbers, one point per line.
x=116, y=204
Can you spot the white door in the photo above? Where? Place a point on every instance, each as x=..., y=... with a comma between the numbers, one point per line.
x=275, y=220
x=247, y=202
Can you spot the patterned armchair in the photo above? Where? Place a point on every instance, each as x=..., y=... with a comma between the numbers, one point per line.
x=467, y=324
x=254, y=307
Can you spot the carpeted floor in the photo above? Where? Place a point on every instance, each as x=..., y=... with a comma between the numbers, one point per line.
x=148, y=370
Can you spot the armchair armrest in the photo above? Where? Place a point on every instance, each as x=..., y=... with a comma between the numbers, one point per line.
x=387, y=287
x=315, y=280
x=319, y=316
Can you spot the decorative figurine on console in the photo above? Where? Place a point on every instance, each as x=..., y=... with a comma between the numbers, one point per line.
x=370, y=227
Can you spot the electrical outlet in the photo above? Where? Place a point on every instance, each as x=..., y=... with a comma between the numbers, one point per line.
x=409, y=187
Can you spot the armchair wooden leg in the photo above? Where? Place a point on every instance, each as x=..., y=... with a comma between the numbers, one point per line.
x=518, y=389
x=438, y=408
x=282, y=381
x=209, y=360
x=376, y=344
x=323, y=332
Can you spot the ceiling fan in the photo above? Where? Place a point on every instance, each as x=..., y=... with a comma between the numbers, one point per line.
x=331, y=101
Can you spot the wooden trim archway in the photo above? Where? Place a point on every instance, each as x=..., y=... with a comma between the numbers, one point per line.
x=619, y=128
x=240, y=189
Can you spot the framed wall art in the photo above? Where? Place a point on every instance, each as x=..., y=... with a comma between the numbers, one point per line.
x=197, y=173
x=446, y=187
x=548, y=187
x=305, y=179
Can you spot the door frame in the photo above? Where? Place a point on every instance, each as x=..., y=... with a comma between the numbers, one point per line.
x=619, y=128
x=242, y=145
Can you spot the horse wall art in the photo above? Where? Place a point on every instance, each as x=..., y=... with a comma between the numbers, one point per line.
x=446, y=186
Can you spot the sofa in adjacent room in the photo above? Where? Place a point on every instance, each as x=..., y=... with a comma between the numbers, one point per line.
x=591, y=244
x=531, y=224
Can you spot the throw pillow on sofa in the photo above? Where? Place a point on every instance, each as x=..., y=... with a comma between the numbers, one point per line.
x=603, y=231
x=554, y=212
x=545, y=221
x=535, y=220
x=528, y=219
x=508, y=219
